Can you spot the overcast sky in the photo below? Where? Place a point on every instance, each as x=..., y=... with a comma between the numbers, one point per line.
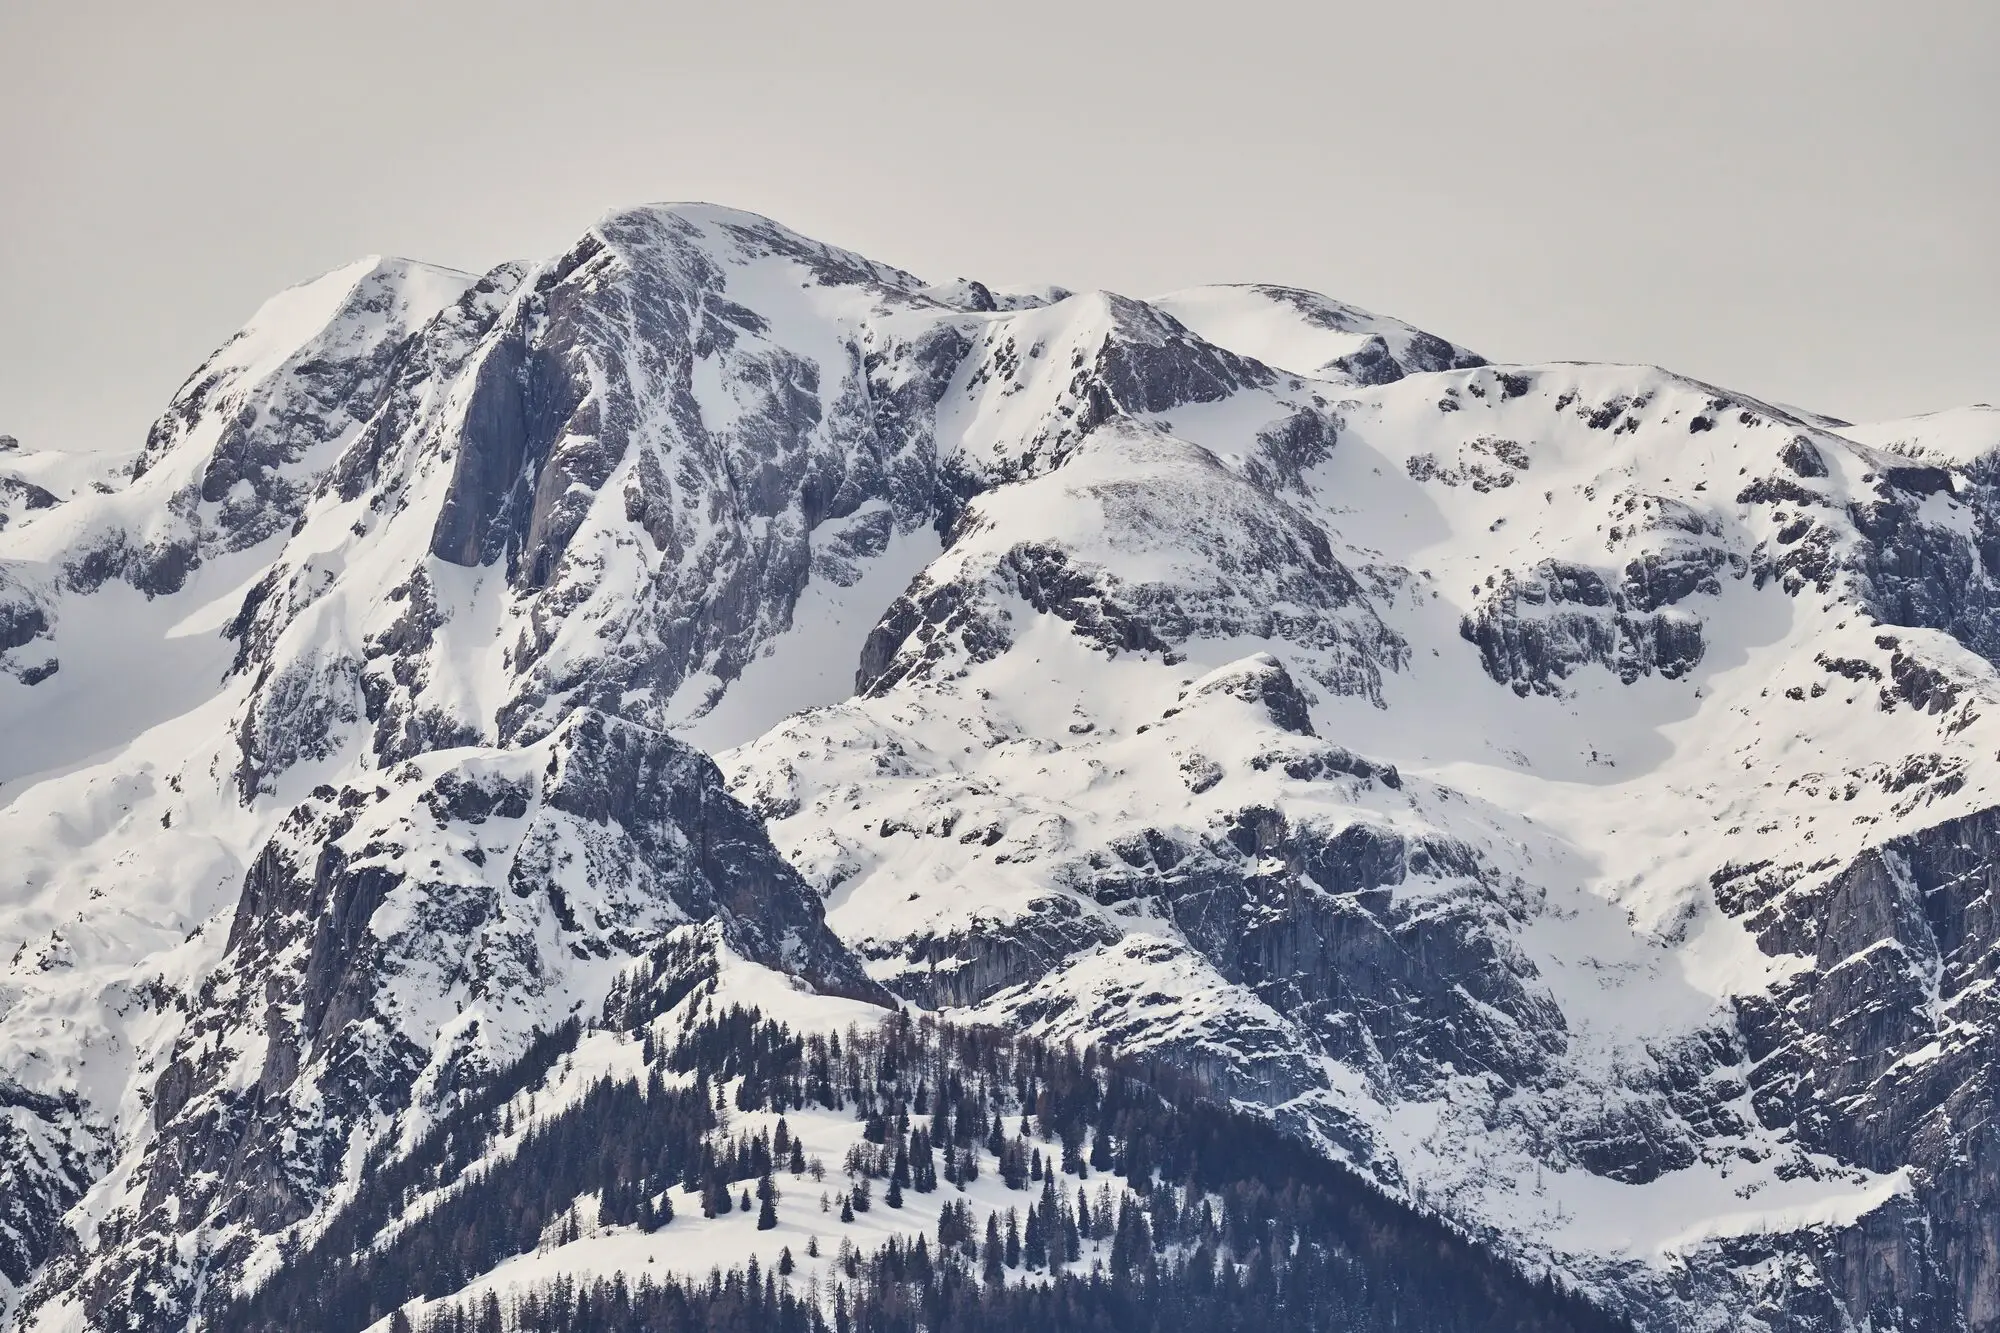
x=1797, y=200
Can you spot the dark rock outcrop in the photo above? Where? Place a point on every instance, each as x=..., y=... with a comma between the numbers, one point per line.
x=379, y=910
x=1535, y=629
x=1885, y=1050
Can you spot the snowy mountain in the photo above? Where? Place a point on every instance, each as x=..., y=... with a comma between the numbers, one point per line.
x=1556, y=792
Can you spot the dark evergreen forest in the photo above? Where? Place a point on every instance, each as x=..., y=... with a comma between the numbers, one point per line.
x=1225, y=1223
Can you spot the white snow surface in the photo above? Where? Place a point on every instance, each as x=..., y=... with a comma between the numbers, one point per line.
x=1298, y=331
x=991, y=786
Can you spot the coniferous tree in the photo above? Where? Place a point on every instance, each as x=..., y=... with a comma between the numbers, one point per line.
x=767, y=1208
x=954, y=1225
x=1072, y=1149
x=991, y=1256
x=714, y=1198
x=1258, y=1232
x=1100, y=1150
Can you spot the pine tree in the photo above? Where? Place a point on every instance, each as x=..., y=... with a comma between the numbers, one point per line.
x=950, y=1230
x=990, y=1254
x=714, y=1199
x=894, y=1197
x=767, y=1209
x=1014, y=1166
x=1033, y=1250
x=1072, y=1156
x=1300, y=1247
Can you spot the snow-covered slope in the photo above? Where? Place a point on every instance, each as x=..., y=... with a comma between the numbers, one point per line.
x=1560, y=791
x=1309, y=334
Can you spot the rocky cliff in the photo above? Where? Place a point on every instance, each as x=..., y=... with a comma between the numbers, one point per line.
x=1559, y=791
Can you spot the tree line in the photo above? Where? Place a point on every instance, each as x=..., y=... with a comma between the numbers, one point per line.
x=1213, y=1219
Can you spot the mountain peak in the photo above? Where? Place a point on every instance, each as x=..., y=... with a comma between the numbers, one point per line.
x=1560, y=793
x=1308, y=334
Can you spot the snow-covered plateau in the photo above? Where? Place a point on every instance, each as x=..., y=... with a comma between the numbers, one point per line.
x=1558, y=792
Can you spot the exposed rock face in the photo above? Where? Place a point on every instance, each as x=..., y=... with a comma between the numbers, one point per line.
x=23, y=497
x=48, y=1157
x=590, y=470
x=1149, y=543
x=1299, y=922
x=1883, y=1051
x=1559, y=790
x=1585, y=623
x=22, y=618
x=399, y=939
x=1325, y=942
x=246, y=439
x=1261, y=680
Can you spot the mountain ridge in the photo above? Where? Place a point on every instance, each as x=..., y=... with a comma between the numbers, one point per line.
x=1268, y=687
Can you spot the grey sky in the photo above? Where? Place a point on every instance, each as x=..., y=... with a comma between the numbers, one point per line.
x=1799, y=200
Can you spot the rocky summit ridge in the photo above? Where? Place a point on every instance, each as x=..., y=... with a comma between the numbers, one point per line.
x=1559, y=792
